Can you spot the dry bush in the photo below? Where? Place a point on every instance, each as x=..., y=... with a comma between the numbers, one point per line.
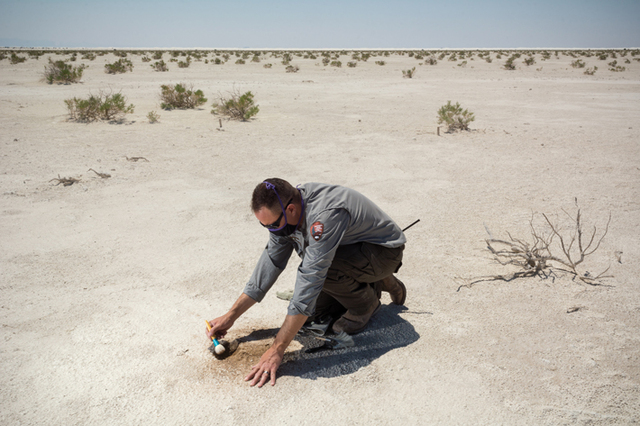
x=552, y=246
x=63, y=73
x=118, y=67
x=236, y=106
x=181, y=97
x=409, y=73
x=455, y=117
x=102, y=106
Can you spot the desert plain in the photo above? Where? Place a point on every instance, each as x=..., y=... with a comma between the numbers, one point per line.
x=105, y=283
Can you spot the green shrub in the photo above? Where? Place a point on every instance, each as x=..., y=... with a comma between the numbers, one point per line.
x=529, y=61
x=409, y=73
x=325, y=61
x=98, y=107
x=463, y=64
x=578, y=63
x=591, y=71
x=236, y=106
x=352, y=64
x=292, y=68
x=157, y=55
x=180, y=97
x=240, y=62
x=118, y=67
x=15, y=59
x=153, y=117
x=61, y=72
x=267, y=65
x=255, y=58
x=120, y=54
x=185, y=64
x=336, y=64
x=455, y=117
x=159, y=66
x=509, y=64
x=380, y=62
x=146, y=59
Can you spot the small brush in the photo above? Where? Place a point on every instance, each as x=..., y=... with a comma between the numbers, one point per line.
x=219, y=348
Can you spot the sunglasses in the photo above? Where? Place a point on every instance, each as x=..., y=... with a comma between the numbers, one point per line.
x=276, y=225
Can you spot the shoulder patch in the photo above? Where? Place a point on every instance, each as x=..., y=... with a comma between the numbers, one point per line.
x=316, y=230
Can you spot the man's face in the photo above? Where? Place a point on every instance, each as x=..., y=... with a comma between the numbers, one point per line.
x=269, y=219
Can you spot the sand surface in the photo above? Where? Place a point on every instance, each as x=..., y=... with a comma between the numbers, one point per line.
x=105, y=284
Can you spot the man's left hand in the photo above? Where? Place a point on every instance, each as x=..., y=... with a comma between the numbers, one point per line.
x=266, y=368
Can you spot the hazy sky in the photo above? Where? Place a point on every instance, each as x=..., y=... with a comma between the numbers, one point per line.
x=321, y=24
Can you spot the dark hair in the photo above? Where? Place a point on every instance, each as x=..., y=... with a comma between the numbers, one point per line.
x=265, y=197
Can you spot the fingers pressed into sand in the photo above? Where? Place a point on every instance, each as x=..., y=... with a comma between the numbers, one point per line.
x=265, y=369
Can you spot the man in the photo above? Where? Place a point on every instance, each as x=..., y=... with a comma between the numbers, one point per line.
x=349, y=249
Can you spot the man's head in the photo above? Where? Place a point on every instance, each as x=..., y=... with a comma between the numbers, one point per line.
x=267, y=195
x=277, y=206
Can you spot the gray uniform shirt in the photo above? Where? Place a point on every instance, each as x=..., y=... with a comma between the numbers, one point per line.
x=333, y=216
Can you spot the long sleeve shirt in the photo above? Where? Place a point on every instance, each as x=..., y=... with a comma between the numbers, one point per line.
x=333, y=216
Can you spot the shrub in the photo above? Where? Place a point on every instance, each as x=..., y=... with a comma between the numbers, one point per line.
x=160, y=66
x=509, y=64
x=255, y=58
x=236, y=106
x=351, y=64
x=325, y=61
x=292, y=68
x=185, y=64
x=98, y=107
x=89, y=56
x=153, y=117
x=15, y=59
x=120, y=54
x=118, y=67
x=380, y=62
x=463, y=64
x=578, y=63
x=431, y=60
x=529, y=61
x=591, y=71
x=60, y=72
x=146, y=59
x=455, y=117
x=240, y=62
x=180, y=97
x=157, y=55
x=267, y=65
x=408, y=73
x=336, y=64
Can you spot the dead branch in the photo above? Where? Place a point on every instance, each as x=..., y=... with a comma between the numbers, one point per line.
x=535, y=256
x=65, y=181
x=102, y=175
x=136, y=159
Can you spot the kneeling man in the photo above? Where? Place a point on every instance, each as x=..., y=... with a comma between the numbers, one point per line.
x=349, y=248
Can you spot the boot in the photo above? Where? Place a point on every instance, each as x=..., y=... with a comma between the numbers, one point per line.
x=353, y=324
x=396, y=289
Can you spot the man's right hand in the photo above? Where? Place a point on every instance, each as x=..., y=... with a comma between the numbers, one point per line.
x=220, y=326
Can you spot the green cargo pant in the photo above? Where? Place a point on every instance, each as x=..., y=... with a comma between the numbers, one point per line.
x=353, y=281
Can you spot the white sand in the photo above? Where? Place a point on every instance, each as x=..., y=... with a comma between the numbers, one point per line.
x=105, y=284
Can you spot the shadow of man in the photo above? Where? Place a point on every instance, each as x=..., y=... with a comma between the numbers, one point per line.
x=386, y=331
